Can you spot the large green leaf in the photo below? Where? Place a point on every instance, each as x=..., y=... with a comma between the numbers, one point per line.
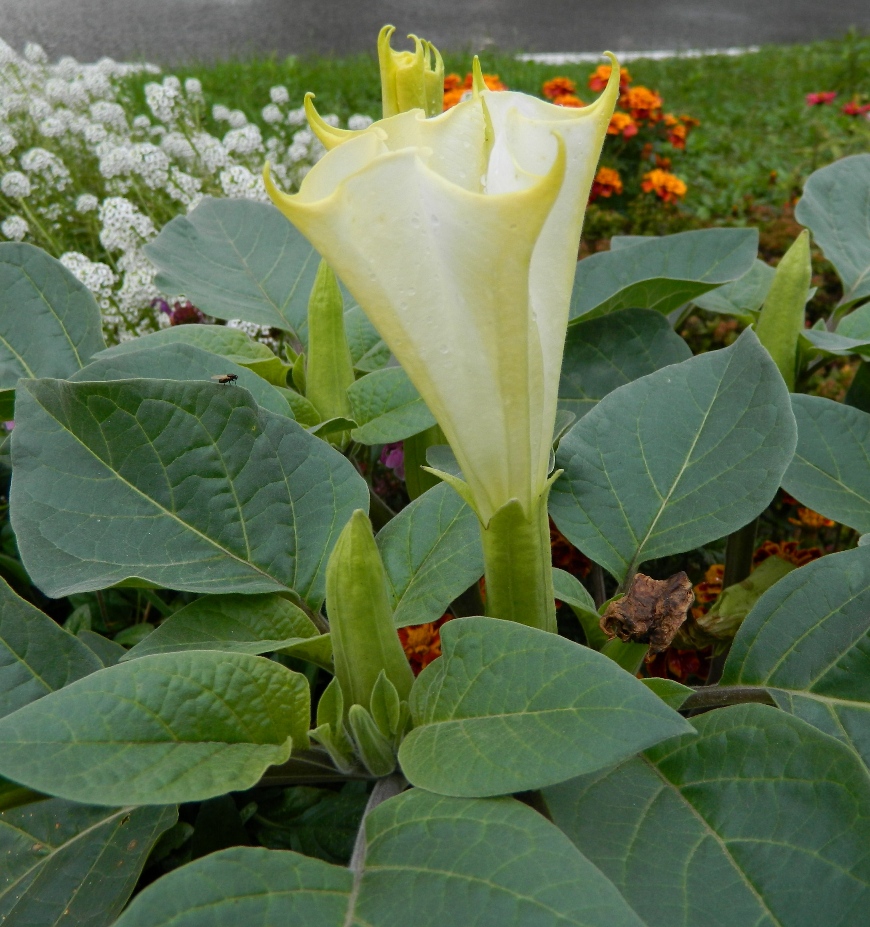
x=167, y=728
x=603, y=354
x=662, y=273
x=230, y=343
x=36, y=655
x=50, y=323
x=73, y=865
x=743, y=296
x=430, y=861
x=186, y=485
x=387, y=407
x=831, y=468
x=807, y=640
x=676, y=459
x=182, y=362
x=509, y=708
x=759, y=820
x=367, y=349
x=432, y=553
x=238, y=259
x=834, y=208
x=237, y=624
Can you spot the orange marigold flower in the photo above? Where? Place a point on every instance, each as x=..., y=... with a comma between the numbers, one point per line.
x=622, y=124
x=559, y=87
x=607, y=182
x=568, y=99
x=452, y=97
x=601, y=75
x=807, y=518
x=666, y=186
x=422, y=642
x=491, y=80
x=786, y=550
x=677, y=136
x=642, y=103
x=456, y=89
x=452, y=82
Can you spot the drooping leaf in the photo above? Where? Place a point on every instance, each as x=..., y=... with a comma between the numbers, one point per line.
x=662, y=273
x=237, y=259
x=432, y=553
x=834, y=342
x=185, y=485
x=605, y=353
x=830, y=472
x=73, y=865
x=759, y=820
x=230, y=343
x=50, y=323
x=675, y=459
x=167, y=728
x=834, y=208
x=387, y=407
x=572, y=592
x=36, y=655
x=742, y=297
x=509, y=708
x=807, y=641
x=430, y=861
x=182, y=362
x=108, y=652
x=234, y=624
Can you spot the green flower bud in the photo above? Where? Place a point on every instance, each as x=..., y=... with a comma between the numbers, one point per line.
x=364, y=638
x=410, y=80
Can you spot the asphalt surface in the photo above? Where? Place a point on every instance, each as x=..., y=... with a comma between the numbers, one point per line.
x=171, y=31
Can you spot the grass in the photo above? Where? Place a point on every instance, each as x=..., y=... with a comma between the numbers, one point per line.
x=754, y=120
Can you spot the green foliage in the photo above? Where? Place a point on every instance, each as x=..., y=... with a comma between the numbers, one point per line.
x=387, y=407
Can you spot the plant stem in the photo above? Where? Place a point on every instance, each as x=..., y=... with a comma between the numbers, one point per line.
x=385, y=788
x=519, y=565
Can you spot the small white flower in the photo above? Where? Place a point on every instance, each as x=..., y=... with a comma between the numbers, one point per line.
x=272, y=114
x=125, y=228
x=14, y=228
x=141, y=123
x=193, y=87
x=39, y=108
x=54, y=126
x=86, y=203
x=8, y=142
x=47, y=166
x=297, y=152
x=279, y=95
x=297, y=117
x=358, y=122
x=94, y=133
x=238, y=182
x=211, y=151
x=162, y=100
x=109, y=114
x=35, y=53
x=244, y=141
x=15, y=185
x=237, y=119
x=177, y=146
x=99, y=278
x=220, y=113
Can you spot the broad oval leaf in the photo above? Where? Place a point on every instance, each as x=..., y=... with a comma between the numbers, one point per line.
x=834, y=342
x=186, y=485
x=36, y=655
x=235, y=624
x=432, y=553
x=834, y=208
x=238, y=259
x=743, y=296
x=167, y=728
x=759, y=820
x=73, y=865
x=662, y=273
x=675, y=459
x=509, y=708
x=182, y=362
x=230, y=343
x=367, y=349
x=50, y=323
x=606, y=353
x=387, y=407
x=807, y=641
x=830, y=472
x=430, y=861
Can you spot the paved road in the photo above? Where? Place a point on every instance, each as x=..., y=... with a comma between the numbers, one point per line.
x=169, y=31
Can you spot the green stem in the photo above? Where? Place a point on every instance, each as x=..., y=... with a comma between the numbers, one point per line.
x=519, y=565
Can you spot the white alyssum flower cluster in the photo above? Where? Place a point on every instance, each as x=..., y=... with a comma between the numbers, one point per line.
x=88, y=175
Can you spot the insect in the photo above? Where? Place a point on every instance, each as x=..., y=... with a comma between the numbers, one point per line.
x=226, y=377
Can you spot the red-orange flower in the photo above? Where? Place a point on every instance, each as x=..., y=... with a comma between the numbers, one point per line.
x=559, y=87
x=607, y=182
x=786, y=550
x=601, y=75
x=642, y=103
x=455, y=90
x=422, y=642
x=566, y=556
x=622, y=124
x=666, y=186
x=821, y=99
x=568, y=99
x=807, y=518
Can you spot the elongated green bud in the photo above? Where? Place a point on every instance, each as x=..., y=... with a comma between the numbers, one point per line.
x=782, y=316
x=410, y=80
x=329, y=369
x=364, y=638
